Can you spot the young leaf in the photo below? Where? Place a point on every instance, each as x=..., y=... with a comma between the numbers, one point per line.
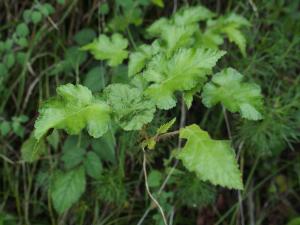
x=176, y=37
x=227, y=88
x=138, y=59
x=156, y=28
x=130, y=108
x=192, y=15
x=228, y=25
x=111, y=49
x=165, y=127
x=73, y=109
x=67, y=188
x=184, y=71
x=212, y=160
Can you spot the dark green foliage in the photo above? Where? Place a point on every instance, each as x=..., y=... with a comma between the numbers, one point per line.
x=193, y=192
x=110, y=188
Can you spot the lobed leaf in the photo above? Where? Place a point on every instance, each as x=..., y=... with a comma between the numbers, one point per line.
x=227, y=88
x=72, y=110
x=111, y=49
x=130, y=108
x=184, y=71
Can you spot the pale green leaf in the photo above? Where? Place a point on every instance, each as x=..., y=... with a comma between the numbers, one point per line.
x=184, y=71
x=130, y=108
x=165, y=127
x=138, y=59
x=192, y=15
x=176, y=37
x=229, y=25
x=156, y=28
x=227, y=88
x=72, y=110
x=236, y=36
x=212, y=160
x=67, y=188
x=111, y=49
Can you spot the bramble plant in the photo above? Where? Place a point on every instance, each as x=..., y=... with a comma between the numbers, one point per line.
x=178, y=63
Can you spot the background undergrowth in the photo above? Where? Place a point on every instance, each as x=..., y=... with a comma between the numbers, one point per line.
x=40, y=49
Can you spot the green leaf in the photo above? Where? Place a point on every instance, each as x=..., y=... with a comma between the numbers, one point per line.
x=27, y=15
x=165, y=127
x=111, y=49
x=22, y=30
x=185, y=70
x=84, y=36
x=10, y=60
x=154, y=178
x=212, y=160
x=193, y=192
x=177, y=37
x=53, y=139
x=36, y=17
x=156, y=28
x=74, y=58
x=67, y=188
x=73, y=156
x=72, y=110
x=5, y=128
x=188, y=96
x=120, y=74
x=105, y=147
x=192, y=15
x=93, y=165
x=130, y=108
x=227, y=88
x=32, y=149
x=138, y=59
x=95, y=79
x=236, y=36
x=47, y=9
x=22, y=42
x=229, y=26
x=185, y=17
